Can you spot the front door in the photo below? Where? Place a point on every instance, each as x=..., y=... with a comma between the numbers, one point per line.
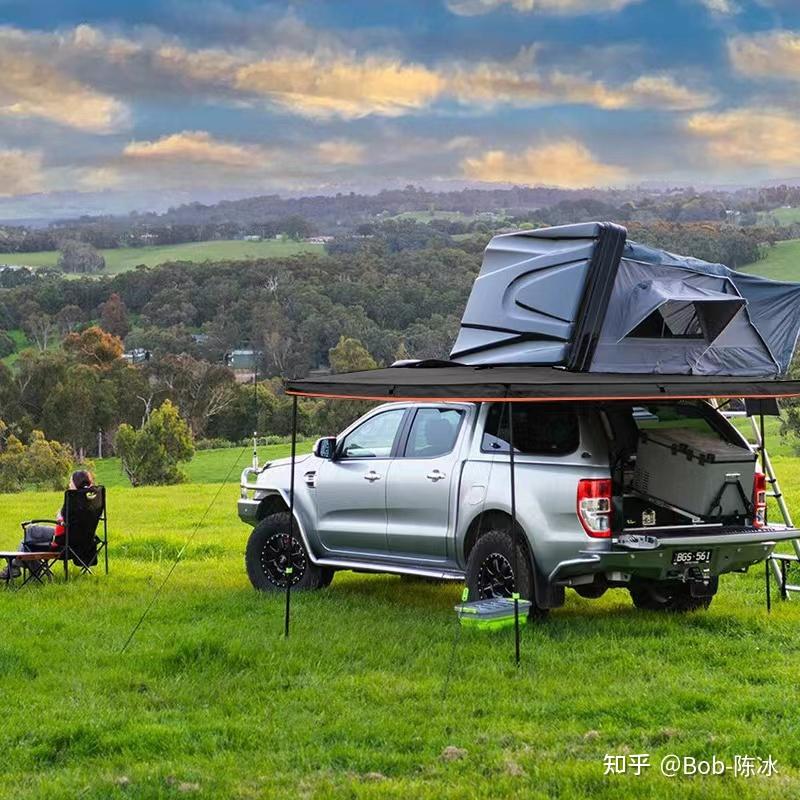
x=421, y=479
x=350, y=491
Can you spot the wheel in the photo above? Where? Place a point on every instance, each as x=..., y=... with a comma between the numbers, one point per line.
x=668, y=596
x=269, y=548
x=490, y=570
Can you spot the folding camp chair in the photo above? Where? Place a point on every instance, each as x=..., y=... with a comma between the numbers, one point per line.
x=84, y=510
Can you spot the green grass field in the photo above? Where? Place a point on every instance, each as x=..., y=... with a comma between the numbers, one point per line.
x=369, y=690
x=782, y=262
x=124, y=258
x=783, y=216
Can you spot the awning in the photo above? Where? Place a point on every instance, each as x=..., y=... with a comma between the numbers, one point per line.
x=422, y=382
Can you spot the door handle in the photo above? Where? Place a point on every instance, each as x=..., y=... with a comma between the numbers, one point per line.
x=436, y=475
x=371, y=476
x=310, y=478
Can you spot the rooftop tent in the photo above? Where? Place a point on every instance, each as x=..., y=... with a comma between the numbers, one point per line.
x=583, y=297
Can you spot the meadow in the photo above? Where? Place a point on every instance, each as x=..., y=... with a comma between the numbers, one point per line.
x=377, y=692
x=122, y=259
x=782, y=262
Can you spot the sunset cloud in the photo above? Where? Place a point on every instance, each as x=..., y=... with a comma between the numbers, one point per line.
x=750, y=137
x=342, y=87
x=340, y=151
x=197, y=147
x=30, y=87
x=20, y=172
x=564, y=7
x=767, y=55
x=567, y=164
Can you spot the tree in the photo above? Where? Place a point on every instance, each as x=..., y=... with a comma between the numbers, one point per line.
x=80, y=257
x=41, y=463
x=114, y=316
x=41, y=328
x=7, y=344
x=94, y=347
x=349, y=355
x=68, y=319
x=152, y=455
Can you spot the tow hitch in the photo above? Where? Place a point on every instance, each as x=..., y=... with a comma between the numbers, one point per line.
x=700, y=581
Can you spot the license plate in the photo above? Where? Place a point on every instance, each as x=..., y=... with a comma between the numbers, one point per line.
x=681, y=557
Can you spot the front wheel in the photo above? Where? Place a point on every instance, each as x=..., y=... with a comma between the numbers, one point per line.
x=273, y=546
x=490, y=570
x=671, y=596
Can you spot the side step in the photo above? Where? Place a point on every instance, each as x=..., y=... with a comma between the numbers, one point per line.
x=392, y=569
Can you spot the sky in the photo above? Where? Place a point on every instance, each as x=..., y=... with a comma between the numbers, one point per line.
x=137, y=104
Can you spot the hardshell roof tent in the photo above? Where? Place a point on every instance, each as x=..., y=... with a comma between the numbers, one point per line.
x=583, y=297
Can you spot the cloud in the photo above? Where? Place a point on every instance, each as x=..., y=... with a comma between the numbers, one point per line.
x=344, y=87
x=749, y=137
x=196, y=147
x=493, y=84
x=31, y=86
x=721, y=6
x=775, y=54
x=568, y=164
x=340, y=152
x=20, y=172
x=563, y=7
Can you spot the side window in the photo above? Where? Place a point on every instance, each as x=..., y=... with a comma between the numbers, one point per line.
x=433, y=432
x=539, y=429
x=373, y=438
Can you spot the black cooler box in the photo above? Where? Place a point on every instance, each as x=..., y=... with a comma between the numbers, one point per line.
x=695, y=471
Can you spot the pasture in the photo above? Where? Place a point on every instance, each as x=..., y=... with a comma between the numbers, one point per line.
x=122, y=259
x=782, y=262
x=375, y=681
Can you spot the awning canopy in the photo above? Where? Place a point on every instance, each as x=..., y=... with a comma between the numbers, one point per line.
x=443, y=381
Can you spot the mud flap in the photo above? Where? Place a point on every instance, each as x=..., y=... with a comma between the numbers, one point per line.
x=548, y=594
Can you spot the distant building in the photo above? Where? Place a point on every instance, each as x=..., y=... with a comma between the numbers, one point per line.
x=241, y=359
x=318, y=239
x=252, y=237
x=137, y=356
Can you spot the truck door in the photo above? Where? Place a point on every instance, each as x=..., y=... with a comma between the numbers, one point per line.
x=350, y=491
x=420, y=483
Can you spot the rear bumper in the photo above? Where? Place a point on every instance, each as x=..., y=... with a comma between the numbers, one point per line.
x=732, y=549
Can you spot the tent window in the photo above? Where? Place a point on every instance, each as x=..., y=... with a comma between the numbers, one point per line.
x=672, y=320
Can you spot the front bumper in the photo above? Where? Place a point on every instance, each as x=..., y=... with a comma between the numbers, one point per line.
x=248, y=510
x=732, y=549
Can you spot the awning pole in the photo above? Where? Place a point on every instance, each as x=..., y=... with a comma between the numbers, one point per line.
x=290, y=537
x=514, y=542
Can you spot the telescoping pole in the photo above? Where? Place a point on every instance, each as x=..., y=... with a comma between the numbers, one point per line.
x=289, y=538
x=514, y=542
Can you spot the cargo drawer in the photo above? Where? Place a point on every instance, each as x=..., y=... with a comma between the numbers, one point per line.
x=695, y=471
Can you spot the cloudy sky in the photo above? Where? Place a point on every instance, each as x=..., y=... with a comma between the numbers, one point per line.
x=141, y=100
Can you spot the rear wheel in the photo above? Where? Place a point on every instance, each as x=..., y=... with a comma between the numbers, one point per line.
x=274, y=545
x=671, y=596
x=490, y=570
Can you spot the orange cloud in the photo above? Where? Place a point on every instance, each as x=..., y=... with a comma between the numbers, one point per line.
x=20, y=172
x=568, y=164
x=198, y=147
x=767, y=55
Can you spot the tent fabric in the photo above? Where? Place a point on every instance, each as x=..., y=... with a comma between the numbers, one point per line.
x=575, y=296
x=529, y=383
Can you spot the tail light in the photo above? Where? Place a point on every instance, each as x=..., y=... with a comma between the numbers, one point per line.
x=594, y=506
x=759, y=500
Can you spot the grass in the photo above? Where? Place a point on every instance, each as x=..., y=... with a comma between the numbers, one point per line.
x=782, y=262
x=123, y=259
x=781, y=216
x=211, y=701
x=21, y=341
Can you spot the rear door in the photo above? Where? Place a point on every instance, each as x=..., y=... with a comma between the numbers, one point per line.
x=350, y=491
x=421, y=481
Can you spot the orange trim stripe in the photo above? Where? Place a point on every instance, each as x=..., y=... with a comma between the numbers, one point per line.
x=662, y=396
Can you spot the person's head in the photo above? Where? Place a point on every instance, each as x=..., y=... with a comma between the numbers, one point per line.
x=81, y=479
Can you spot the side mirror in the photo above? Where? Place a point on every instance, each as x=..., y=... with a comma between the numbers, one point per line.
x=325, y=447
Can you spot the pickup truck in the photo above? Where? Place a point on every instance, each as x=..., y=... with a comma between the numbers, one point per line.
x=423, y=489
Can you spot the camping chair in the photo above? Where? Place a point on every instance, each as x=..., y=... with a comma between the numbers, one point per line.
x=84, y=510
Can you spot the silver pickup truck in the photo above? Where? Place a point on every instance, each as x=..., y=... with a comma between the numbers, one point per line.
x=423, y=489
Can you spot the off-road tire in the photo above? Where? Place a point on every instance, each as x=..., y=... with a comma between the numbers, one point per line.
x=265, y=557
x=494, y=552
x=668, y=596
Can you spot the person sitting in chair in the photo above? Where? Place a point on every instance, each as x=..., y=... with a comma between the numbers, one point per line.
x=41, y=537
